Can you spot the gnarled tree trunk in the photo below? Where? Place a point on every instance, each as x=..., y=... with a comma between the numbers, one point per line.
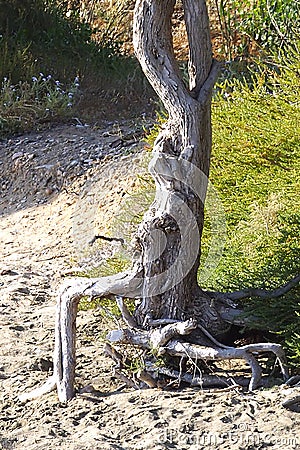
x=170, y=234
x=163, y=280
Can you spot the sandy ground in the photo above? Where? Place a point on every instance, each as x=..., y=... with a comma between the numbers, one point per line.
x=58, y=189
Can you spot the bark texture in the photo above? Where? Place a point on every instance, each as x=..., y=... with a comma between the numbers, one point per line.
x=170, y=234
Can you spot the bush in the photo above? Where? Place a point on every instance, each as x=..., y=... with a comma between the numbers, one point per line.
x=26, y=105
x=253, y=25
x=255, y=169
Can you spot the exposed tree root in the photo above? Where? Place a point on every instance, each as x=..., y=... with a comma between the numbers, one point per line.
x=253, y=292
x=65, y=326
x=203, y=380
x=162, y=338
x=290, y=403
x=161, y=342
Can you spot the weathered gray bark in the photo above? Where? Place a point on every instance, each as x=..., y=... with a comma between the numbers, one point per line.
x=64, y=358
x=170, y=234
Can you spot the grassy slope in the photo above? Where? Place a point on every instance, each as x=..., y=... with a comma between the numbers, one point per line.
x=255, y=169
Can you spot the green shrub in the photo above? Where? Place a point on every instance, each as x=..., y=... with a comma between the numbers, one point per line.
x=272, y=24
x=248, y=25
x=255, y=168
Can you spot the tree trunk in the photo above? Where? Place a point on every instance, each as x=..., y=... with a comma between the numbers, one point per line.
x=170, y=234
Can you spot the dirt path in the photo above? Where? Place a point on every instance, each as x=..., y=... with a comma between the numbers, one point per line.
x=58, y=189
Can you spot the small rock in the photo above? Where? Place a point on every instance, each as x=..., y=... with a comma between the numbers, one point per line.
x=49, y=191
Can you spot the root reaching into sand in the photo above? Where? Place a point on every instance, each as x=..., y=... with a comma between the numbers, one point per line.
x=164, y=337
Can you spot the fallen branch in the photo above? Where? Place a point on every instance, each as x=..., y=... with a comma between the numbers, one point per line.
x=158, y=338
x=204, y=381
x=162, y=341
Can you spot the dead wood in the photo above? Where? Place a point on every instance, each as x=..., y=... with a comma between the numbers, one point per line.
x=162, y=342
x=71, y=292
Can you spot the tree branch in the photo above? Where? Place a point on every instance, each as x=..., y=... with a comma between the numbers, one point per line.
x=159, y=338
x=152, y=41
x=175, y=348
x=200, y=48
x=127, y=317
x=206, y=90
x=163, y=341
